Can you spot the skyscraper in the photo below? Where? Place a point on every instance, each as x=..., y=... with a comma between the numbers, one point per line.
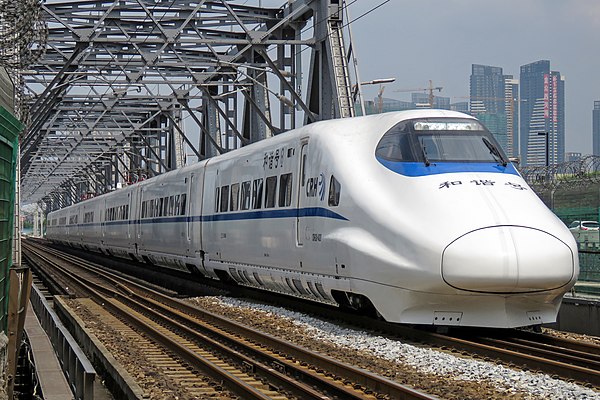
x=511, y=90
x=489, y=102
x=596, y=128
x=542, y=114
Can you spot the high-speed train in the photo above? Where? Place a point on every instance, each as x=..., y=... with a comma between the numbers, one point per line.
x=416, y=215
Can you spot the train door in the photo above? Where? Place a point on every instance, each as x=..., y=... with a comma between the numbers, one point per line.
x=302, y=199
x=191, y=211
x=127, y=216
x=103, y=218
x=136, y=216
x=140, y=215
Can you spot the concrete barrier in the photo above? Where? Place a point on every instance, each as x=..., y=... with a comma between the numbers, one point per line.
x=77, y=368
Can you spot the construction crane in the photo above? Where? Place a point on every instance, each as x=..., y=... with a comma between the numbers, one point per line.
x=429, y=89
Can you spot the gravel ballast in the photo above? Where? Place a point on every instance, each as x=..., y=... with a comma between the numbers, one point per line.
x=443, y=373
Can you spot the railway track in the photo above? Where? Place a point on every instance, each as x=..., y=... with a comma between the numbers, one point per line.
x=191, y=344
x=559, y=357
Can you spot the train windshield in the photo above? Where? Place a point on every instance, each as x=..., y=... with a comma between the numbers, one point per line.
x=435, y=140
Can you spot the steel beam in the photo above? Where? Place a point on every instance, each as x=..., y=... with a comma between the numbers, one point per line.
x=127, y=88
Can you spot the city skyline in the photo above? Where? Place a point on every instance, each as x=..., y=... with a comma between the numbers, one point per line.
x=441, y=40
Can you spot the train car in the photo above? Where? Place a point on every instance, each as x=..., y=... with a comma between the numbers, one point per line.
x=417, y=216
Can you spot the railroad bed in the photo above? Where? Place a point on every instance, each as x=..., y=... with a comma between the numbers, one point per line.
x=441, y=372
x=189, y=353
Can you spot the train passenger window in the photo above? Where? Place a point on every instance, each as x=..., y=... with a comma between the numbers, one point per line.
x=257, y=189
x=271, y=192
x=171, y=205
x=127, y=211
x=245, y=196
x=144, y=205
x=183, y=204
x=303, y=169
x=285, y=190
x=177, y=205
x=234, y=197
x=165, y=210
x=217, y=197
x=334, y=192
x=224, y=198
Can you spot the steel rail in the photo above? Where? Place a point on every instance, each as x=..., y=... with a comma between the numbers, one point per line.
x=234, y=384
x=243, y=337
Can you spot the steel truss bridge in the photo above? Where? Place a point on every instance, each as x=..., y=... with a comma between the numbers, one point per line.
x=128, y=89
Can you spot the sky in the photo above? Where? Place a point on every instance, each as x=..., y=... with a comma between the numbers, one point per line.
x=416, y=41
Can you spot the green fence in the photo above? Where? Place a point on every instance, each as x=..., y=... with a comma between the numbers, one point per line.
x=9, y=133
x=580, y=204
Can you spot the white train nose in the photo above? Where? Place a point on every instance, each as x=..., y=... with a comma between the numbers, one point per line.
x=507, y=259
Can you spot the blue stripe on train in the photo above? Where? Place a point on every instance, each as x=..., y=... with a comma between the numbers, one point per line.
x=414, y=169
x=233, y=216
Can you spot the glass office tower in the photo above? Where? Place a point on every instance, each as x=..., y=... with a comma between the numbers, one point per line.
x=542, y=120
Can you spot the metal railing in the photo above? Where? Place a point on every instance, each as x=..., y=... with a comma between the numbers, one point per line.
x=77, y=368
x=571, y=174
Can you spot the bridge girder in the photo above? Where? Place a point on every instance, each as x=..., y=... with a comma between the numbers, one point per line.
x=127, y=89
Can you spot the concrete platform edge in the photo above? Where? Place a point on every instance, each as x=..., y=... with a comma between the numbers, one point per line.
x=579, y=315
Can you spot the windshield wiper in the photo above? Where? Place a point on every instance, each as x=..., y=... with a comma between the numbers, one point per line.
x=495, y=152
x=424, y=153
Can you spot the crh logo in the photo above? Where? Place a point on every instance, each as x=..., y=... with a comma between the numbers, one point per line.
x=316, y=185
x=321, y=186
